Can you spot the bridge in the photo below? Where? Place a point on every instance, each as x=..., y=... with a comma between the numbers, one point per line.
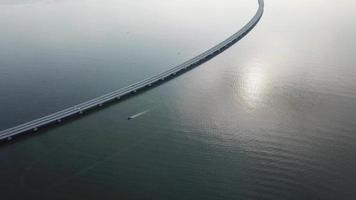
x=132, y=89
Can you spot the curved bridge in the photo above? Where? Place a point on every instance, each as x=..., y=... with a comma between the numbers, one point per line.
x=136, y=87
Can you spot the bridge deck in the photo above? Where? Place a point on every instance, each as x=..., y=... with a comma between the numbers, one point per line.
x=133, y=88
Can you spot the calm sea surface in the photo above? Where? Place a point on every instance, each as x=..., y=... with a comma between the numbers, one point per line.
x=273, y=117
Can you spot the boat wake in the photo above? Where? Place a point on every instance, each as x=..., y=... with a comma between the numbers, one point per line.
x=138, y=114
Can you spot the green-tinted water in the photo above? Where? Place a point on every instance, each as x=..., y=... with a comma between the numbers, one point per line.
x=273, y=117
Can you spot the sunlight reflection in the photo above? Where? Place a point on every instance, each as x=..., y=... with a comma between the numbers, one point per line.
x=253, y=85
